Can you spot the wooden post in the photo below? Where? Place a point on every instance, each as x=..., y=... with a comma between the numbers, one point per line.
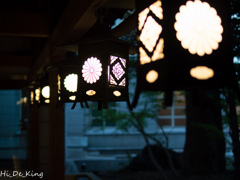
x=39, y=144
x=44, y=143
x=56, y=122
x=33, y=140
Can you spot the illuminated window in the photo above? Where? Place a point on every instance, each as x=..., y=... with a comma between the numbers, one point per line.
x=152, y=45
x=70, y=82
x=92, y=70
x=117, y=71
x=198, y=27
x=175, y=115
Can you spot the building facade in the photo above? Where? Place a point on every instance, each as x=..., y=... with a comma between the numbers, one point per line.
x=101, y=144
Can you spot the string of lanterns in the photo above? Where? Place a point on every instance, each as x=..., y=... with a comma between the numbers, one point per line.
x=182, y=45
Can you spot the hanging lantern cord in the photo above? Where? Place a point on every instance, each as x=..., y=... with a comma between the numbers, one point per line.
x=103, y=25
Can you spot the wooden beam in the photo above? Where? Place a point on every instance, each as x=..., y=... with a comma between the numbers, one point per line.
x=14, y=68
x=123, y=4
x=76, y=20
x=14, y=71
x=87, y=20
x=15, y=77
x=16, y=61
x=41, y=62
x=71, y=19
x=123, y=28
x=24, y=25
x=126, y=26
x=13, y=84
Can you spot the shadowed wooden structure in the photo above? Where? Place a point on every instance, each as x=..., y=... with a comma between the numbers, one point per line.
x=30, y=33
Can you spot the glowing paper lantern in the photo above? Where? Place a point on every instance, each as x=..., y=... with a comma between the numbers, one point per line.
x=44, y=89
x=35, y=93
x=103, y=70
x=45, y=92
x=183, y=45
x=40, y=94
x=67, y=77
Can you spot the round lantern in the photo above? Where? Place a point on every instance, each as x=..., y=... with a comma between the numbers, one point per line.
x=67, y=77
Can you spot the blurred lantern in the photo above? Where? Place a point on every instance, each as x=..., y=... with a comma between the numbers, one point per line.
x=103, y=70
x=32, y=94
x=40, y=94
x=67, y=77
x=183, y=45
x=45, y=94
x=44, y=89
x=35, y=95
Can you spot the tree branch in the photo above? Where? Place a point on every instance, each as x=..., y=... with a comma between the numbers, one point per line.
x=145, y=136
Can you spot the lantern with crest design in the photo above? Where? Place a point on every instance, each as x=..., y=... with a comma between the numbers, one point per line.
x=103, y=70
x=183, y=45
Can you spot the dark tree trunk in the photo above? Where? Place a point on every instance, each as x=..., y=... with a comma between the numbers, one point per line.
x=234, y=131
x=204, y=151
